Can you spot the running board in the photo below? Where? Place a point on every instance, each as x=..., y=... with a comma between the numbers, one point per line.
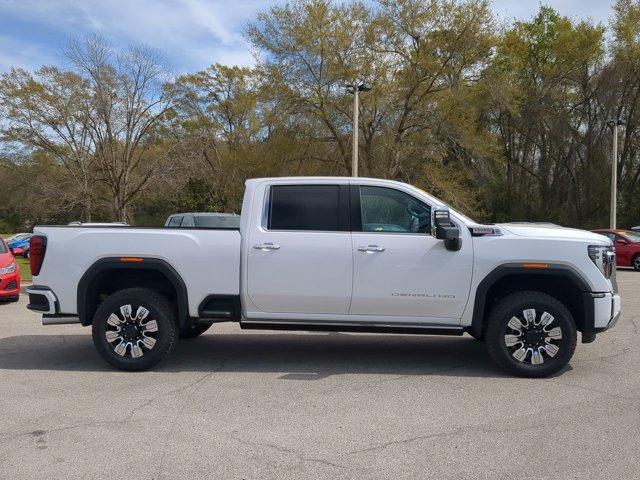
x=355, y=327
x=59, y=319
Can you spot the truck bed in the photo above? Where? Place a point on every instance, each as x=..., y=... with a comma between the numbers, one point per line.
x=208, y=260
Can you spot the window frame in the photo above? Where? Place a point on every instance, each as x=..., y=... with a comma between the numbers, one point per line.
x=344, y=216
x=356, y=211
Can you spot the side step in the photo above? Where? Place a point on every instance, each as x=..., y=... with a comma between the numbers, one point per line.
x=222, y=308
x=356, y=327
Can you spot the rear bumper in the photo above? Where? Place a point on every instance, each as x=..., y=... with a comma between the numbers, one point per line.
x=42, y=299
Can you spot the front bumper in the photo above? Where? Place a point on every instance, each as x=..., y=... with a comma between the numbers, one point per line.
x=602, y=311
x=10, y=285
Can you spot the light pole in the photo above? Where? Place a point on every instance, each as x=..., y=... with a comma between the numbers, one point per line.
x=355, y=88
x=614, y=124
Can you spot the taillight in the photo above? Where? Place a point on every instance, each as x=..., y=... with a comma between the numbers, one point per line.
x=37, y=249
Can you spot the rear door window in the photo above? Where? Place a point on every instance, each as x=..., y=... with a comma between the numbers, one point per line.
x=305, y=207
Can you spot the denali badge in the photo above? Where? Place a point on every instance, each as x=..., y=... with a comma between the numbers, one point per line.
x=425, y=295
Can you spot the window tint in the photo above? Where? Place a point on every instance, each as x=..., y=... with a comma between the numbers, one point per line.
x=175, y=221
x=304, y=207
x=388, y=210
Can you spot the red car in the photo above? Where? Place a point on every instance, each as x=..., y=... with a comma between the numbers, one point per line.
x=627, y=245
x=9, y=274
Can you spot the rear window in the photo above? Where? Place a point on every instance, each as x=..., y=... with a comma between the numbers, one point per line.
x=304, y=207
x=217, y=221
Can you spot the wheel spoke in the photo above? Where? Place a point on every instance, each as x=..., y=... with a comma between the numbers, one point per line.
x=125, y=310
x=511, y=340
x=121, y=348
x=554, y=333
x=141, y=314
x=536, y=357
x=516, y=324
x=148, y=342
x=112, y=336
x=551, y=349
x=546, y=319
x=114, y=321
x=529, y=315
x=150, y=326
x=136, y=351
x=520, y=354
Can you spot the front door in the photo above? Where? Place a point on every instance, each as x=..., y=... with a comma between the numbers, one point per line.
x=399, y=268
x=299, y=258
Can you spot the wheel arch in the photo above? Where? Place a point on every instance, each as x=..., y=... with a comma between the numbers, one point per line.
x=153, y=273
x=560, y=281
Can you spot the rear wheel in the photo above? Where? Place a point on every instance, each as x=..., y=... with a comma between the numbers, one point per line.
x=134, y=329
x=530, y=334
x=197, y=330
x=635, y=263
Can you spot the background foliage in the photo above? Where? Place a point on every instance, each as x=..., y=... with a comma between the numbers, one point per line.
x=504, y=122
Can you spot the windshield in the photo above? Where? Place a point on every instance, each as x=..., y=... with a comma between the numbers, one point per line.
x=631, y=236
x=453, y=210
x=3, y=248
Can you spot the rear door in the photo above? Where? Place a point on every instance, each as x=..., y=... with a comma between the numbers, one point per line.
x=299, y=257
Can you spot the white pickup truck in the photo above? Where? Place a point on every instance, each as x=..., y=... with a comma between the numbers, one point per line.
x=341, y=254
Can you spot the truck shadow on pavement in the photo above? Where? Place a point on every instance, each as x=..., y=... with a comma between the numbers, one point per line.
x=301, y=357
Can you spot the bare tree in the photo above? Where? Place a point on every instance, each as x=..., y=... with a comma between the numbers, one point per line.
x=126, y=104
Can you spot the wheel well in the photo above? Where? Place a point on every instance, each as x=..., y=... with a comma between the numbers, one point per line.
x=561, y=287
x=110, y=275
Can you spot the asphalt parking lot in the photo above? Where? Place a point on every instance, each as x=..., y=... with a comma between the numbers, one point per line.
x=267, y=405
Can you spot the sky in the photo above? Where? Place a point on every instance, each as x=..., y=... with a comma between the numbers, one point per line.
x=192, y=34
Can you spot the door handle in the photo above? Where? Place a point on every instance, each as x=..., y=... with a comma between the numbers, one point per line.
x=371, y=249
x=266, y=246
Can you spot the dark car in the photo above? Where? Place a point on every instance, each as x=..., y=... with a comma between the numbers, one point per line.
x=627, y=244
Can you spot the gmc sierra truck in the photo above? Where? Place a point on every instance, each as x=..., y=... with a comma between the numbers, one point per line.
x=331, y=254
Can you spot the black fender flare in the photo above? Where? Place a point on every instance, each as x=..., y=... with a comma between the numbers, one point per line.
x=550, y=269
x=140, y=263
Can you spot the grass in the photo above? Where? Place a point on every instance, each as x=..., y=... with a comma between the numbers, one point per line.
x=25, y=272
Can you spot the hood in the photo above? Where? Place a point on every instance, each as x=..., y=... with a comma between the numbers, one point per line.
x=6, y=259
x=549, y=230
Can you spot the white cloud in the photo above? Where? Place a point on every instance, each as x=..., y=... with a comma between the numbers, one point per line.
x=192, y=33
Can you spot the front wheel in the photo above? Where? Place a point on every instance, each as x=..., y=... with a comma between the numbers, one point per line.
x=134, y=329
x=530, y=334
x=635, y=263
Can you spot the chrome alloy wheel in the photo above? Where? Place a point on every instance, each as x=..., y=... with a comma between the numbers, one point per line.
x=130, y=335
x=531, y=337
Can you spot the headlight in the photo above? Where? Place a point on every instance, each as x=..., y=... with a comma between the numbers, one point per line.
x=604, y=257
x=10, y=269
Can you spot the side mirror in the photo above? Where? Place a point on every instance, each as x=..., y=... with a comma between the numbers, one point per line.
x=446, y=230
x=621, y=241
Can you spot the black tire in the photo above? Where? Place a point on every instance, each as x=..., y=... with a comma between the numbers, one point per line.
x=197, y=330
x=531, y=338
x=164, y=336
x=635, y=263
